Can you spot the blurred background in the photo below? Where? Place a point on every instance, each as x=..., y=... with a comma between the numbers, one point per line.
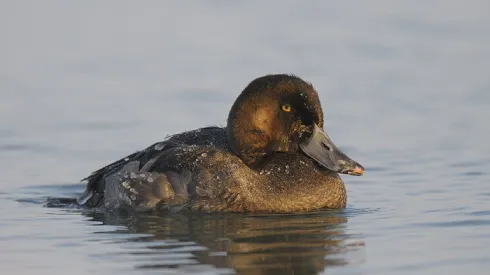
x=405, y=90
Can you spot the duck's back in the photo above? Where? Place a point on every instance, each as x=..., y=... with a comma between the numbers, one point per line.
x=141, y=161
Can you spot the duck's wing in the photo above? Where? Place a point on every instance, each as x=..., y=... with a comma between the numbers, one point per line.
x=141, y=161
x=198, y=177
x=96, y=181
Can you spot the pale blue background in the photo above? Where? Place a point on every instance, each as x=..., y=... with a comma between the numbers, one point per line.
x=405, y=88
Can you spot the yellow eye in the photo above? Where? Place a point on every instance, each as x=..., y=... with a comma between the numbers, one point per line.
x=286, y=108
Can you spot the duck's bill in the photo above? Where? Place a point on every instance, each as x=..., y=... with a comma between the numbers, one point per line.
x=321, y=148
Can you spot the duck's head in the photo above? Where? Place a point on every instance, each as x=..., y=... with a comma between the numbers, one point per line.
x=282, y=113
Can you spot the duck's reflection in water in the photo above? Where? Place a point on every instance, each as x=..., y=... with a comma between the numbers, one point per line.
x=245, y=244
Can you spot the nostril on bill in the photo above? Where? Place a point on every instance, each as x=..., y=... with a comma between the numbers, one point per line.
x=328, y=147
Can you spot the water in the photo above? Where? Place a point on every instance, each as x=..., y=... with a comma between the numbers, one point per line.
x=405, y=88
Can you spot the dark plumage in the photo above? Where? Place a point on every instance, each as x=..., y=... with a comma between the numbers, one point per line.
x=272, y=157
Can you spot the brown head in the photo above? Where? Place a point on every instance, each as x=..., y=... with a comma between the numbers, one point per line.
x=282, y=113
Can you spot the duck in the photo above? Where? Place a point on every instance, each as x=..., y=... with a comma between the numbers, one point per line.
x=273, y=156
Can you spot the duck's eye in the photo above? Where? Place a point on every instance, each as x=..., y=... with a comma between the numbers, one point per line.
x=286, y=108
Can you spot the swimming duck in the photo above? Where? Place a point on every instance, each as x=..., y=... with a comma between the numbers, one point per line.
x=273, y=156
